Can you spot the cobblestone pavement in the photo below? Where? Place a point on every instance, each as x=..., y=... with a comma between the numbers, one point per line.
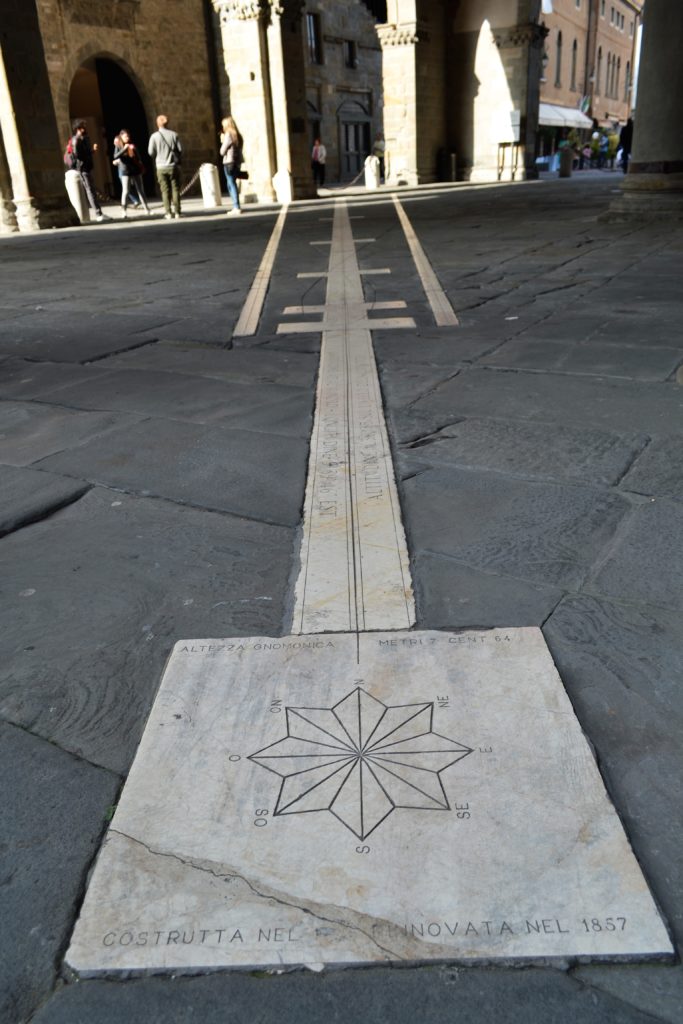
x=152, y=474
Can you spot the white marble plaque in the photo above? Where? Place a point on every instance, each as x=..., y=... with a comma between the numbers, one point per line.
x=342, y=798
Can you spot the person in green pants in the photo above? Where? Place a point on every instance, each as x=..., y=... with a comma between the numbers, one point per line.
x=165, y=148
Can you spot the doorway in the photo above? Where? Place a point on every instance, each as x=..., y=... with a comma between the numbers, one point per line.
x=105, y=97
x=354, y=139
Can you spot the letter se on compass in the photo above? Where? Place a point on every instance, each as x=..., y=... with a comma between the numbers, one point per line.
x=361, y=760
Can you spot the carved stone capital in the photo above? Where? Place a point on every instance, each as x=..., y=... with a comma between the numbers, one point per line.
x=240, y=10
x=529, y=34
x=405, y=34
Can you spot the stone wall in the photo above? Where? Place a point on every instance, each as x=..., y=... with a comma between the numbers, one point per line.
x=162, y=47
x=336, y=92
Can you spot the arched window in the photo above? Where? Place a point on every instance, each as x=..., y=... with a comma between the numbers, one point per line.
x=598, y=74
x=616, y=84
x=627, y=81
x=608, y=76
x=558, y=61
x=575, y=48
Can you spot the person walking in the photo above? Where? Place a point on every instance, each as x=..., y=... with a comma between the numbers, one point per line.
x=131, y=169
x=626, y=143
x=165, y=148
x=132, y=195
x=82, y=157
x=231, y=152
x=318, y=158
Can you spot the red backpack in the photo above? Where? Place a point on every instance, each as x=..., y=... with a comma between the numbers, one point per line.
x=70, y=158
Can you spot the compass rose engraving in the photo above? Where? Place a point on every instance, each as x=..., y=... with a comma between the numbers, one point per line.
x=361, y=759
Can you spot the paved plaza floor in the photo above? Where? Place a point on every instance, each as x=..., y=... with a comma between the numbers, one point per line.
x=153, y=468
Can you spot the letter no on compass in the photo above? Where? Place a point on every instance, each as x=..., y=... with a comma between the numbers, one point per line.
x=360, y=760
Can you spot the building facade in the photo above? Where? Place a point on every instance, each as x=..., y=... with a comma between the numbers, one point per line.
x=589, y=57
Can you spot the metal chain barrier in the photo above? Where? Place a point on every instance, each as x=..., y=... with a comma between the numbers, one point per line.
x=101, y=198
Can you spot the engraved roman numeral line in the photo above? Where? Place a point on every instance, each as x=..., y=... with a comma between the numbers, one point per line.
x=354, y=572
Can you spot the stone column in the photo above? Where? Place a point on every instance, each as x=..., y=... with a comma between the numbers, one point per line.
x=33, y=149
x=521, y=50
x=414, y=86
x=245, y=52
x=654, y=183
x=288, y=92
x=8, y=220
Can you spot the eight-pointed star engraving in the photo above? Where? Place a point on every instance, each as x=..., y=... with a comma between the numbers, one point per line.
x=360, y=759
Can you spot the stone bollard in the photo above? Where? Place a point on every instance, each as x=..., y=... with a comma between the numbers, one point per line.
x=566, y=162
x=211, y=186
x=371, y=172
x=77, y=196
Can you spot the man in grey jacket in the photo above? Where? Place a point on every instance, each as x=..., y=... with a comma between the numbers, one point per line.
x=164, y=146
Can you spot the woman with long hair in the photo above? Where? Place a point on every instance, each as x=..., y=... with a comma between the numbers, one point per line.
x=131, y=169
x=231, y=152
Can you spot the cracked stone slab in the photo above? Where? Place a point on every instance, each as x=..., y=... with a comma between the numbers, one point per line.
x=545, y=533
x=521, y=448
x=30, y=494
x=176, y=396
x=659, y=470
x=592, y=358
x=554, y=399
x=93, y=599
x=30, y=431
x=244, y=366
x=75, y=337
x=647, y=563
x=23, y=379
x=247, y=472
x=54, y=810
x=340, y=799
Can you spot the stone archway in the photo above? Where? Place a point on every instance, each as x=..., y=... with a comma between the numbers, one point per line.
x=104, y=94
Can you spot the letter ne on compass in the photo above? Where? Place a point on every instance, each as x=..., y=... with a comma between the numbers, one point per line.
x=361, y=759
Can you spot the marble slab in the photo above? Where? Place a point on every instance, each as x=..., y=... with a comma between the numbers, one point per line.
x=341, y=799
x=355, y=572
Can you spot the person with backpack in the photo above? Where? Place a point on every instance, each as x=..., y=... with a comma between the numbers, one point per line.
x=79, y=157
x=131, y=169
x=231, y=152
x=165, y=148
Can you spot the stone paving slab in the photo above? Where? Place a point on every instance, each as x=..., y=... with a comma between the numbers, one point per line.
x=29, y=495
x=647, y=563
x=176, y=396
x=54, y=810
x=644, y=987
x=542, y=533
x=246, y=366
x=400, y=996
x=21, y=378
x=622, y=666
x=246, y=472
x=110, y=584
x=558, y=400
x=448, y=347
x=592, y=358
x=521, y=448
x=659, y=469
x=71, y=337
x=452, y=595
x=29, y=431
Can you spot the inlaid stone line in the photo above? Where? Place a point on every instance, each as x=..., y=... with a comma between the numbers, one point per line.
x=444, y=314
x=321, y=273
x=251, y=310
x=354, y=561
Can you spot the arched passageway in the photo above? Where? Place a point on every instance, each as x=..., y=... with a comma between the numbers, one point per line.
x=105, y=96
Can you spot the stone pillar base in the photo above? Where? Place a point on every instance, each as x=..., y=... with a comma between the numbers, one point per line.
x=646, y=204
x=49, y=212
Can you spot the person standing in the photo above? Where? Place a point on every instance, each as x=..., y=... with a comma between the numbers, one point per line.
x=131, y=169
x=165, y=148
x=379, y=149
x=82, y=152
x=231, y=152
x=318, y=158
